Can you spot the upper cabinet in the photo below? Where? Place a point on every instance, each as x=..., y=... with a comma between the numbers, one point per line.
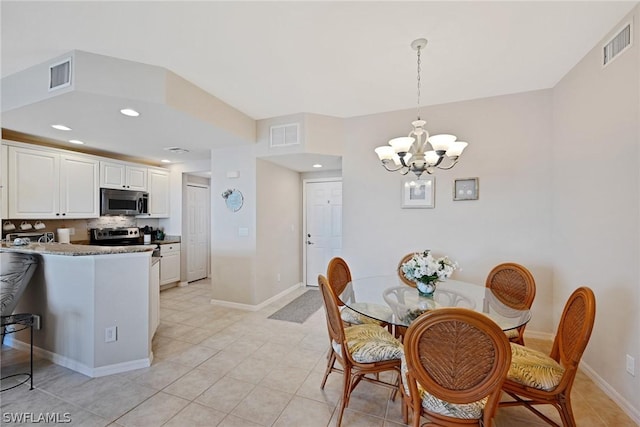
x=46, y=184
x=121, y=176
x=158, y=180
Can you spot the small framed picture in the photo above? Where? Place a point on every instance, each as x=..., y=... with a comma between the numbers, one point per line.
x=465, y=189
x=418, y=193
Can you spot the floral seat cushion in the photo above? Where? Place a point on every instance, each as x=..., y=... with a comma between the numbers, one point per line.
x=370, y=344
x=534, y=369
x=512, y=334
x=355, y=318
x=467, y=411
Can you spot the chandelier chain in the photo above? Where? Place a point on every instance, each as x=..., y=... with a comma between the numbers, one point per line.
x=418, y=103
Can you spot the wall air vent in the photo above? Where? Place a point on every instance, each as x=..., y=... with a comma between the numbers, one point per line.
x=60, y=74
x=285, y=135
x=618, y=44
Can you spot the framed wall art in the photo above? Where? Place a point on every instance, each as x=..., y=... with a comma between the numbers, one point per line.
x=418, y=193
x=465, y=189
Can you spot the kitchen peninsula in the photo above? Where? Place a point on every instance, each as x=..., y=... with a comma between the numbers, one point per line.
x=98, y=306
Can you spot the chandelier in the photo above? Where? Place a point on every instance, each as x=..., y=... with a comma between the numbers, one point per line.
x=411, y=153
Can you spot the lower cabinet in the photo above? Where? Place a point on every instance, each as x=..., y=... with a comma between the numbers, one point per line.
x=169, y=263
x=154, y=298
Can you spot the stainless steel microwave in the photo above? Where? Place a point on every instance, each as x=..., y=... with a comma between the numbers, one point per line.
x=123, y=202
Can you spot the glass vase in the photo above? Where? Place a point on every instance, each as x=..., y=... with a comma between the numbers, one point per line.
x=426, y=289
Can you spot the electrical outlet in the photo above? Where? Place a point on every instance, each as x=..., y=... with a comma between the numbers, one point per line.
x=278, y=277
x=111, y=334
x=37, y=322
x=631, y=365
x=72, y=231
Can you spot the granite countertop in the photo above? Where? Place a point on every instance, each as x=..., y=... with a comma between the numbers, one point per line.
x=72, y=249
x=167, y=240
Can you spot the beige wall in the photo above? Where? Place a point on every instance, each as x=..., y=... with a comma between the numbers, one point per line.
x=596, y=217
x=279, y=228
x=232, y=255
x=509, y=144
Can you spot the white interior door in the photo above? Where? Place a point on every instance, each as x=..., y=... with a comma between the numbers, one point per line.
x=323, y=227
x=197, y=232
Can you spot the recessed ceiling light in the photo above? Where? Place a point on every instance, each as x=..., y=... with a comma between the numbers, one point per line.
x=76, y=141
x=61, y=127
x=165, y=161
x=129, y=112
x=317, y=165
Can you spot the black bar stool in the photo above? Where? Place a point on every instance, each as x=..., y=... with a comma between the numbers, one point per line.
x=12, y=324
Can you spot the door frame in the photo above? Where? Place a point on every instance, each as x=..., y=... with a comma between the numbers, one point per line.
x=304, y=218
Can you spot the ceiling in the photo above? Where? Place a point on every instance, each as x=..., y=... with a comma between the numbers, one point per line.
x=269, y=59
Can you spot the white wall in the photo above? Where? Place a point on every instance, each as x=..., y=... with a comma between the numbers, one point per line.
x=596, y=221
x=509, y=151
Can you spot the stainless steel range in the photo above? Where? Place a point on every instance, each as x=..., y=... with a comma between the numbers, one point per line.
x=120, y=236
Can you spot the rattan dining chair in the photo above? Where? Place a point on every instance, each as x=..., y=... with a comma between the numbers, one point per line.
x=455, y=361
x=513, y=285
x=359, y=349
x=536, y=379
x=401, y=275
x=339, y=276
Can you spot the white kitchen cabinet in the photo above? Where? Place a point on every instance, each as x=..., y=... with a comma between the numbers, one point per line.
x=4, y=179
x=121, y=176
x=169, y=263
x=158, y=184
x=47, y=184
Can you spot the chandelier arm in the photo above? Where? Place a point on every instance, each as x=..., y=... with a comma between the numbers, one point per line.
x=453, y=163
x=399, y=168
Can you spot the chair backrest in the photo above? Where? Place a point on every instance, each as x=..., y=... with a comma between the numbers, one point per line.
x=458, y=355
x=339, y=276
x=574, y=330
x=513, y=285
x=406, y=281
x=332, y=312
x=16, y=270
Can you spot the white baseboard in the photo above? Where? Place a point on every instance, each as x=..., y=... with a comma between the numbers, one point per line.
x=263, y=304
x=74, y=365
x=627, y=407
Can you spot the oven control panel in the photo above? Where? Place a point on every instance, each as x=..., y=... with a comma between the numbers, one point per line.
x=98, y=234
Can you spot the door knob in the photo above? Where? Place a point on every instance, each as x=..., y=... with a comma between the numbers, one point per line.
x=309, y=242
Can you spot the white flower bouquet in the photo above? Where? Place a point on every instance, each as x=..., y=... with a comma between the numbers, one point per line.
x=426, y=270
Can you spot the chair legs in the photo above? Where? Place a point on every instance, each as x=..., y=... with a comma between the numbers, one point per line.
x=562, y=404
x=330, y=363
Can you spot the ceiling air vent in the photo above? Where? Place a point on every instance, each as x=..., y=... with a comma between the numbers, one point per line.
x=60, y=74
x=177, y=150
x=284, y=135
x=617, y=45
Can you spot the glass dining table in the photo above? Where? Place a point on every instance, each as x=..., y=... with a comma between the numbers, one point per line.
x=388, y=299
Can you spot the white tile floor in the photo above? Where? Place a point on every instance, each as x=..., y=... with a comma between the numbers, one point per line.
x=221, y=367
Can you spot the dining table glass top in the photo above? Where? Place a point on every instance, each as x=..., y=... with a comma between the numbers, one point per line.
x=388, y=299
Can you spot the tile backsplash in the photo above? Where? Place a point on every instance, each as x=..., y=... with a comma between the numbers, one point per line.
x=81, y=227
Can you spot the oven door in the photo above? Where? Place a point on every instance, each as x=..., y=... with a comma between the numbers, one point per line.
x=120, y=202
